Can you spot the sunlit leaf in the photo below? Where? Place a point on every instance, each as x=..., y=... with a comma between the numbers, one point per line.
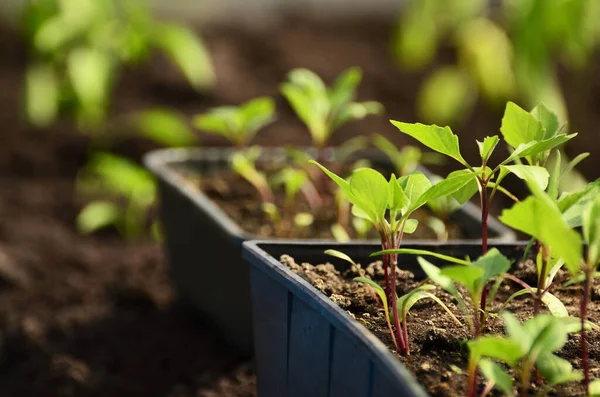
x=519, y=126
x=97, y=215
x=498, y=375
x=164, y=126
x=41, y=94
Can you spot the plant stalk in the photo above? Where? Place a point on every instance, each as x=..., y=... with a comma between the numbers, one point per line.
x=585, y=300
x=484, y=248
x=472, y=378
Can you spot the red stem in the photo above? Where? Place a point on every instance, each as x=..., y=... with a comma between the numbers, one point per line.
x=390, y=290
x=585, y=300
x=484, y=247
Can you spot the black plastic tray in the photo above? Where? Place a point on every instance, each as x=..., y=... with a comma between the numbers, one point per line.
x=204, y=245
x=305, y=345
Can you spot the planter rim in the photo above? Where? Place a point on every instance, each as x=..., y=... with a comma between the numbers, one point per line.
x=160, y=161
x=253, y=250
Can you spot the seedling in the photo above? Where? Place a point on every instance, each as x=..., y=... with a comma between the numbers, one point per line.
x=528, y=136
x=403, y=303
x=238, y=124
x=407, y=159
x=324, y=109
x=243, y=162
x=123, y=192
x=530, y=344
x=292, y=180
x=388, y=205
x=77, y=48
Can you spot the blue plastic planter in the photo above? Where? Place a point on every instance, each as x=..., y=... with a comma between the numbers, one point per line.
x=305, y=345
x=204, y=245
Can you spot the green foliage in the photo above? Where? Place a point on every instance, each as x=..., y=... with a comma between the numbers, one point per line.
x=243, y=163
x=531, y=343
x=78, y=46
x=238, y=124
x=511, y=54
x=126, y=192
x=324, y=109
x=407, y=159
x=164, y=126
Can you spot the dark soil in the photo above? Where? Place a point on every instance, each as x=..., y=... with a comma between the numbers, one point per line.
x=240, y=200
x=439, y=357
x=97, y=316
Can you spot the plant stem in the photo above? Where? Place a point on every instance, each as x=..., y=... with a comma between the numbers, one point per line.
x=484, y=247
x=390, y=291
x=540, y=283
x=472, y=377
x=585, y=300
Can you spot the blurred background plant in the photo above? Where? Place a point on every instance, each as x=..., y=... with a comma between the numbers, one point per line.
x=76, y=49
x=506, y=49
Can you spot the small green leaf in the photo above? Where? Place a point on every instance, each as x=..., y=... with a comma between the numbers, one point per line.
x=495, y=373
x=555, y=173
x=496, y=347
x=380, y=292
x=556, y=370
x=303, y=219
x=540, y=217
x=467, y=276
x=556, y=307
x=187, y=51
x=339, y=233
x=343, y=89
x=340, y=255
x=397, y=200
x=357, y=111
x=547, y=118
x=342, y=183
x=404, y=305
x=255, y=114
x=410, y=226
x=519, y=126
x=414, y=186
x=444, y=188
x=493, y=263
x=531, y=173
x=591, y=231
x=486, y=148
x=370, y=191
x=220, y=121
x=410, y=251
x=549, y=334
x=465, y=193
x=41, y=94
x=97, y=215
x=534, y=147
x=165, y=127
x=595, y=388
x=440, y=139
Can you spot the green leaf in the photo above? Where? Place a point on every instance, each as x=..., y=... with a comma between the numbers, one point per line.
x=595, y=388
x=516, y=332
x=410, y=226
x=356, y=111
x=378, y=290
x=255, y=114
x=555, y=173
x=540, y=217
x=41, y=94
x=445, y=187
x=301, y=104
x=532, y=148
x=468, y=276
x=414, y=186
x=486, y=148
x=397, y=200
x=547, y=118
x=97, y=215
x=405, y=303
x=519, y=126
x=531, y=173
x=339, y=233
x=221, y=121
x=342, y=183
x=556, y=370
x=573, y=204
x=493, y=263
x=343, y=89
x=340, y=255
x=187, y=51
x=571, y=164
x=90, y=73
x=465, y=193
x=165, y=127
x=370, y=191
x=496, y=347
x=440, y=139
x=303, y=219
x=410, y=251
x=495, y=373
x=554, y=305
x=548, y=332
x=591, y=231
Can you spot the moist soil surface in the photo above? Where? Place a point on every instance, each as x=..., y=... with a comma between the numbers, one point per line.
x=97, y=315
x=438, y=354
x=240, y=201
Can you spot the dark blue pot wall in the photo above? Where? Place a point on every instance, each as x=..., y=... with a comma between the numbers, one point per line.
x=305, y=345
x=204, y=245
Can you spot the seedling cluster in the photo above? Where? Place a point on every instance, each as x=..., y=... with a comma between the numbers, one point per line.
x=557, y=222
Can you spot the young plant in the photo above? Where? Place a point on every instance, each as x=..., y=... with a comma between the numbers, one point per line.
x=528, y=136
x=388, y=205
x=122, y=192
x=441, y=209
x=528, y=345
x=403, y=303
x=293, y=181
x=77, y=47
x=324, y=109
x=541, y=217
x=243, y=162
x=238, y=124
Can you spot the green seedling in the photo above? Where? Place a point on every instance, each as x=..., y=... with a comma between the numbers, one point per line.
x=388, y=206
x=542, y=217
x=403, y=303
x=238, y=124
x=529, y=137
x=324, y=109
x=243, y=163
x=407, y=159
x=293, y=181
x=77, y=48
x=528, y=345
x=123, y=193
x=441, y=210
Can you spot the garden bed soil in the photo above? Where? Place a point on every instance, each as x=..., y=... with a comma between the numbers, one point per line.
x=240, y=201
x=439, y=356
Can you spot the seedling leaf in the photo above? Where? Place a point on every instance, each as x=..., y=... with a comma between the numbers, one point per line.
x=496, y=347
x=468, y=276
x=547, y=118
x=97, y=215
x=410, y=226
x=165, y=127
x=537, y=174
x=498, y=375
x=340, y=255
x=591, y=231
x=519, y=126
x=440, y=139
x=556, y=370
x=486, y=148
